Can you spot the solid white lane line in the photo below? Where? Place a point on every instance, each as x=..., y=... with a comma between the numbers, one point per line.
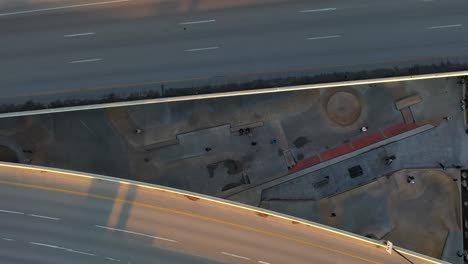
x=234, y=255
x=80, y=252
x=88, y=60
x=46, y=217
x=47, y=245
x=113, y=259
x=7, y=239
x=446, y=26
x=200, y=49
x=79, y=34
x=318, y=10
x=63, y=7
x=11, y=212
x=324, y=37
x=198, y=22
x=135, y=233
x=263, y=262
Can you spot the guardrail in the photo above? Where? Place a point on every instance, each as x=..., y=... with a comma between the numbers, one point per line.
x=219, y=201
x=237, y=93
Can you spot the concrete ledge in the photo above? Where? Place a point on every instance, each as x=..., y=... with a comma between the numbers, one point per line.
x=408, y=101
x=162, y=144
x=251, y=125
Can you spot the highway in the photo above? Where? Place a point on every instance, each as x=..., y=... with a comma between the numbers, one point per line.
x=56, y=217
x=58, y=47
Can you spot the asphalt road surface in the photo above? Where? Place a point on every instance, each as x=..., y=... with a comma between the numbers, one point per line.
x=53, y=47
x=50, y=217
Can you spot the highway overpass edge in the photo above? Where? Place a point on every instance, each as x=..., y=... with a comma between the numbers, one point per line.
x=219, y=201
x=237, y=93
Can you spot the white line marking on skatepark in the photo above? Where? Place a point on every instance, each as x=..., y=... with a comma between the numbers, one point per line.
x=83, y=61
x=198, y=22
x=263, y=262
x=46, y=217
x=318, y=10
x=324, y=37
x=62, y=7
x=234, y=255
x=446, y=26
x=135, y=233
x=79, y=34
x=201, y=49
x=7, y=239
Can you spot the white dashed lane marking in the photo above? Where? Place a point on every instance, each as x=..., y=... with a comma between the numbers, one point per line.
x=318, y=10
x=135, y=233
x=11, y=212
x=234, y=255
x=446, y=26
x=45, y=217
x=79, y=34
x=83, y=61
x=198, y=22
x=202, y=49
x=324, y=37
